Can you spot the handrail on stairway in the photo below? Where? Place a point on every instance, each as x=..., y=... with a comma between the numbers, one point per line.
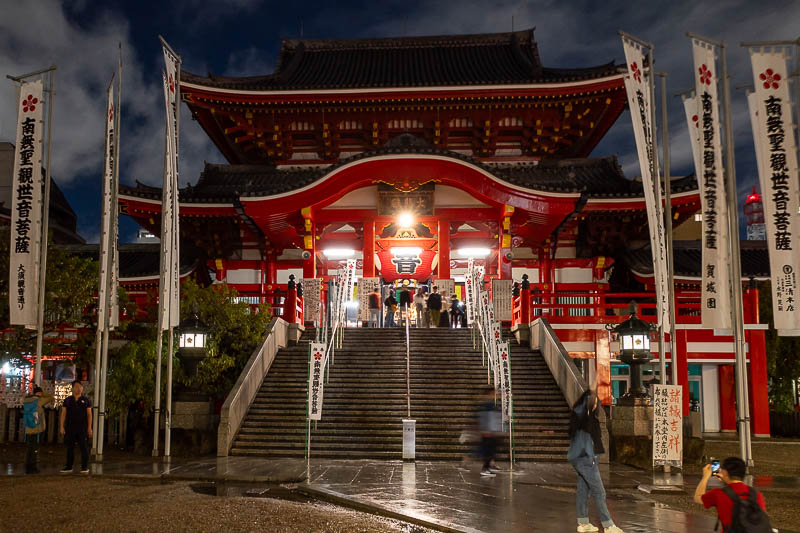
x=408, y=365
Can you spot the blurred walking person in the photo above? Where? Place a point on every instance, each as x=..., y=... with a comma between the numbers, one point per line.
x=419, y=306
x=586, y=443
x=455, y=312
x=490, y=425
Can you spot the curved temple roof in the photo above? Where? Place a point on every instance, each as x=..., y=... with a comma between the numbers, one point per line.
x=435, y=61
x=597, y=177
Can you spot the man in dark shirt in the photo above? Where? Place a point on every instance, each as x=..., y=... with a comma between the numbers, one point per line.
x=374, y=309
x=76, y=426
x=435, y=307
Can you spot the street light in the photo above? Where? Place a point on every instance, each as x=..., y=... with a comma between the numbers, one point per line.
x=634, y=343
x=475, y=253
x=192, y=337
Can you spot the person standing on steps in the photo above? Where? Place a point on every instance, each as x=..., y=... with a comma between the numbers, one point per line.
x=455, y=312
x=374, y=309
x=435, y=306
x=586, y=443
x=419, y=306
x=404, y=304
x=391, y=306
x=76, y=426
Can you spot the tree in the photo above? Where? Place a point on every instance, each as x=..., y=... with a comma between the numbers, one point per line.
x=783, y=355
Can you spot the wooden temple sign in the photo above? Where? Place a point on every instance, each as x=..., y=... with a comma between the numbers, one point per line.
x=418, y=201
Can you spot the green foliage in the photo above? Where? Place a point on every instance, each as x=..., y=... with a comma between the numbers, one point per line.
x=235, y=330
x=783, y=355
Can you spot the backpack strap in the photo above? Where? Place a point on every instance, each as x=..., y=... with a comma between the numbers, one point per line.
x=737, y=502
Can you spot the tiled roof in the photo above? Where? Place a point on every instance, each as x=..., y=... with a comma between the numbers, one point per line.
x=599, y=177
x=137, y=260
x=443, y=60
x=688, y=259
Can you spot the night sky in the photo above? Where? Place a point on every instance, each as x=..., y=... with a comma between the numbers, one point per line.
x=242, y=37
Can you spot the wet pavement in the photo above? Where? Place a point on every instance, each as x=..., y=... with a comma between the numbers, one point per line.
x=441, y=495
x=447, y=497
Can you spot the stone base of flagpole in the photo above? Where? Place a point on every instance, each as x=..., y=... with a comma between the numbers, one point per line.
x=409, y=440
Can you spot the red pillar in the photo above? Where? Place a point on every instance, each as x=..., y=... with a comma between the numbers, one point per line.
x=546, y=277
x=757, y=384
x=680, y=358
x=525, y=306
x=444, y=249
x=727, y=398
x=504, y=244
x=369, y=249
x=602, y=352
x=309, y=245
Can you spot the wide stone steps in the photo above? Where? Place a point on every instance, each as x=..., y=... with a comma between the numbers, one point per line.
x=365, y=400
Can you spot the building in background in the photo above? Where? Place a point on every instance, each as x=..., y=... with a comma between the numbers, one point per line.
x=754, y=214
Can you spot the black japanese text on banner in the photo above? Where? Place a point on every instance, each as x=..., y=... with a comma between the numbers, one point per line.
x=778, y=175
x=108, y=212
x=312, y=289
x=316, y=375
x=168, y=214
x=365, y=287
x=638, y=91
x=26, y=207
x=693, y=124
x=173, y=70
x=715, y=302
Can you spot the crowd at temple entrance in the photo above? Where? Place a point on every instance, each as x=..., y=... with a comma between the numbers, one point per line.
x=419, y=308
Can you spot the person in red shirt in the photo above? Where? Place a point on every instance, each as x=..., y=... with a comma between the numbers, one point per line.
x=731, y=472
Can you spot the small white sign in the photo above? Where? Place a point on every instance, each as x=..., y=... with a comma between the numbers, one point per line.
x=667, y=425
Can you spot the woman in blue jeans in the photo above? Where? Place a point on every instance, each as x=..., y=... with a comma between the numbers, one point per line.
x=585, y=444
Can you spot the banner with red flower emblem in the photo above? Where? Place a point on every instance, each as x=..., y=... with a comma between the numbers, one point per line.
x=505, y=378
x=26, y=208
x=778, y=176
x=693, y=124
x=637, y=87
x=316, y=375
x=715, y=303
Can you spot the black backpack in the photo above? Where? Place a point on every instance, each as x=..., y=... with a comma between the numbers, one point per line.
x=747, y=516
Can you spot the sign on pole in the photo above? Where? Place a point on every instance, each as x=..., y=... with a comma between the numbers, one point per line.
x=501, y=298
x=312, y=289
x=365, y=287
x=774, y=135
x=315, y=380
x=667, y=425
x=26, y=208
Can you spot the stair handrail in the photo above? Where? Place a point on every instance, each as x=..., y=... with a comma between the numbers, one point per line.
x=408, y=365
x=561, y=365
x=248, y=384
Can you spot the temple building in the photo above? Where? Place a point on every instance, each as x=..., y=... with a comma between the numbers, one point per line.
x=414, y=154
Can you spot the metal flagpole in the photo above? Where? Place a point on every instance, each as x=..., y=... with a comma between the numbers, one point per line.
x=742, y=399
x=668, y=231
x=45, y=233
x=159, y=339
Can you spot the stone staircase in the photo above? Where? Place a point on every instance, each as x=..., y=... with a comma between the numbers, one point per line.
x=365, y=399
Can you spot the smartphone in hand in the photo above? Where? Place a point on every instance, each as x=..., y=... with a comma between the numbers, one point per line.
x=714, y=468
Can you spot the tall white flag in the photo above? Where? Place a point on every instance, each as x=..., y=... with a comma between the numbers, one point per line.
x=26, y=207
x=638, y=90
x=693, y=124
x=715, y=302
x=778, y=173
x=107, y=234
x=170, y=224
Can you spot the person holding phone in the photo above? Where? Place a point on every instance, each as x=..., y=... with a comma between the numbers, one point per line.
x=729, y=499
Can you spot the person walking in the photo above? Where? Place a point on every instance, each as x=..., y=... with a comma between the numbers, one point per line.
x=419, y=306
x=490, y=426
x=404, y=304
x=374, y=309
x=391, y=306
x=455, y=312
x=35, y=424
x=435, y=306
x=585, y=445
x=76, y=426
x=730, y=499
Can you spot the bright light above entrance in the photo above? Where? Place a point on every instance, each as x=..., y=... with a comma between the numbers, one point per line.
x=338, y=253
x=474, y=252
x=405, y=251
x=405, y=220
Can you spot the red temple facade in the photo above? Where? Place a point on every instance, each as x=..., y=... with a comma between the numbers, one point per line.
x=409, y=154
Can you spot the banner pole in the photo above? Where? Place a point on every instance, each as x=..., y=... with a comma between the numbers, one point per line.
x=743, y=409
x=45, y=233
x=160, y=334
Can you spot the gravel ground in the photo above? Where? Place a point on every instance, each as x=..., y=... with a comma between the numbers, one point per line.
x=104, y=504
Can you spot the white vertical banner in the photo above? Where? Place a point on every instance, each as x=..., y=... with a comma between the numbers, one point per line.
x=167, y=221
x=469, y=291
x=693, y=125
x=365, y=287
x=26, y=207
x=107, y=214
x=667, y=425
x=350, y=280
x=172, y=102
x=315, y=380
x=715, y=302
x=312, y=289
x=505, y=378
x=639, y=100
x=501, y=298
x=778, y=176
